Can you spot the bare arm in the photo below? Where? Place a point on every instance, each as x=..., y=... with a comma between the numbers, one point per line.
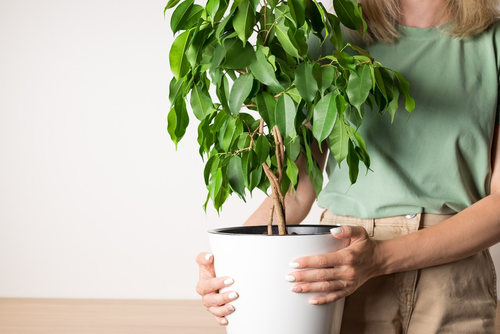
x=468, y=232
x=299, y=204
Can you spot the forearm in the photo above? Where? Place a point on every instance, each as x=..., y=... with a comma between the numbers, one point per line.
x=468, y=232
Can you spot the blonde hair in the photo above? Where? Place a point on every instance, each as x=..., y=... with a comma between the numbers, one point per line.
x=467, y=18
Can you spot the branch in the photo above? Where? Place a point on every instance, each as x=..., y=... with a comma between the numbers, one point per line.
x=278, y=199
x=270, y=222
x=278, y=155
x=286, y=90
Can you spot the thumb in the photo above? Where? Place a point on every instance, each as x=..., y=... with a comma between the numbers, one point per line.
x=353, y=233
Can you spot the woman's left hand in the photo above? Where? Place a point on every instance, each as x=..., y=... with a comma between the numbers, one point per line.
x=339, y=273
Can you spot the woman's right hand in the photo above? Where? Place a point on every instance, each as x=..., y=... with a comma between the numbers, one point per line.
x=208, y=288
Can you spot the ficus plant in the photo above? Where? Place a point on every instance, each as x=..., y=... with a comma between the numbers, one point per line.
x=261, y=100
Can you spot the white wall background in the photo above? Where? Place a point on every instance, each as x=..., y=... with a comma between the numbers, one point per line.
x=94, y=200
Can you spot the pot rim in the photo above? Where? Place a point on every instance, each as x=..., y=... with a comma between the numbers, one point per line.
x=229, y=230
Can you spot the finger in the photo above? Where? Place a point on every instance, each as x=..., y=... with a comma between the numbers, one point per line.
x=206, y=263
x=329, y=298
x=349, y=232
x=221, y=320
x=324, y=286
x=221, y=311
x=314, y=275
x=219, y=299
x=318, y=261
x=213, y=285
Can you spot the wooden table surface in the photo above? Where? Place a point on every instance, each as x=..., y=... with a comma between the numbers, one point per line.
x=81, y=316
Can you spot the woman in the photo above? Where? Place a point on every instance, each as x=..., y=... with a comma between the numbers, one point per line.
x=426, y=268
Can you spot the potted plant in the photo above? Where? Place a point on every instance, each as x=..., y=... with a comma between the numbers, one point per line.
x=243, y=67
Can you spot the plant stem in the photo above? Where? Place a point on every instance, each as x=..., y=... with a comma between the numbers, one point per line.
x=278, y=199
x=270, y=222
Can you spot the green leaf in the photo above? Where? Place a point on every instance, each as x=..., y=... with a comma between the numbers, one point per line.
x=284, y=39
x=266, y=105
x=229, y=132
x=171, y=123
x=359, y=86
x=348, y=13
x=297, y=10
x=404, y=88
x=338, y=140
x=239, y=56
x=394, y=105
x=222, y=92
x=314, y=18
x=215, y=184
x=262, y=70
x=317, y=178
x=307, y=147
x=379, y=80
x=202, y=104
x=244, y=20
x=214, y=160
x=216, y=9
x=197, y=46
x=179, y=65
x=285, y=184
x=285, y=114
x=327, y=78
x=292, y=147
x=175, y=89
x=217, y=58
x=225, y=25
x=325, y=114
x=353, y=115
x=185, y=16
x=226, y=133
x=261, y=149
x=345, y=60
x=361, y=150
x=292, y=171
x=361, y=51
x=294, y=94
x=254, y=179
x=235, y=176
x=170, y=4
x=353, y=163
x=205, y=137
x=305, y=82
x=219, y=121
x=239, y=92
x=336, y=34
x=181, y=118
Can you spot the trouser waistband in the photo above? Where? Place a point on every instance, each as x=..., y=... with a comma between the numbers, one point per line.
x=413, y=222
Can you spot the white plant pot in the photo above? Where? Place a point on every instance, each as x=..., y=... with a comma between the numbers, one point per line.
x=258, y=264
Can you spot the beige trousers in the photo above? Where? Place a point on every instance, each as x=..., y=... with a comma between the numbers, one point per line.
x=458, y=297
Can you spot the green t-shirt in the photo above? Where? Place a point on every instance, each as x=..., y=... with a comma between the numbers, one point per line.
x=437, y=160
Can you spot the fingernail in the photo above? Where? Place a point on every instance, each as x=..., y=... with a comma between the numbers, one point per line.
x=290, y=278
x=229, y=281
x=230, y=308
x=223, y=321
x=313, y=302
x=336, y=230
x=294, y=264
x=208, y=256
x=233, y=295
x=297, y=289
